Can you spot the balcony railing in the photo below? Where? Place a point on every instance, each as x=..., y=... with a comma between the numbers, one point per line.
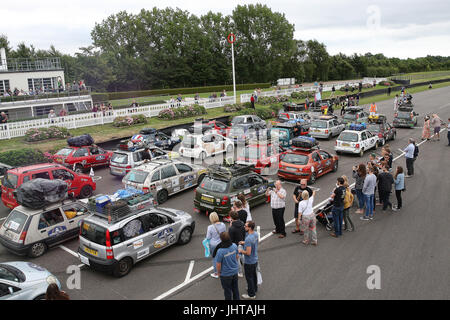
x=37, y=64
x=50, y=94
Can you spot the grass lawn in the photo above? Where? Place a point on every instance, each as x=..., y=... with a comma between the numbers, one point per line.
x=102, y=133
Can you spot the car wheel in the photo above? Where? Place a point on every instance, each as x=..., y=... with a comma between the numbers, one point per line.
x=123, y=267
x=312, y=179
x=185, y=236
x=361, y=153
x=86, y=192
x=37, y=249
x=79, y=168
x=202, y=155
x=40, y=297
x=162, y=196
x=335, y=167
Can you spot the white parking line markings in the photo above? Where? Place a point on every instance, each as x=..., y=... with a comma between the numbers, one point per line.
x=3, y=218
x=69, y=251
x=189, y=273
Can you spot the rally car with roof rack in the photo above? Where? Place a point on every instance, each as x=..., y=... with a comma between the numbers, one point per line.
x=80, y=159
x=200, y=146
x=405, y=117
x=325, y=127
x=164, y=177
x=262, y=155
x=378, y=125
x=306, y=162
x=158, y=138
x=115, y=240
x=355, y=115
x=130, y=155
x=356, y=140
x=222, y=184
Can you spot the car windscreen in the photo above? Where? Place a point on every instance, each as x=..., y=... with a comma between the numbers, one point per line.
x=293, y=158
x=318, y=124
x=136, y=176
x=350, y=116
x=189, y=142
x=373, y=127
x=10, y=180
x=348, y=136
x=404, y=115
x=214, y=185
x=237, y=120
x=93, y=233
x=15, y=221
x=121, y=158
x=64, y=152
x=250, y=152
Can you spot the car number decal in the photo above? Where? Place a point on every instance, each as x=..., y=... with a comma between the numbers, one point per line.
x=189, y=178
x=262, y=189
x=247, y=191
x=99, y=158
x=142, y=253
x=165, y=232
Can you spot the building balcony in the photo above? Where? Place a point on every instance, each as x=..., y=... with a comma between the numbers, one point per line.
x=27, y=65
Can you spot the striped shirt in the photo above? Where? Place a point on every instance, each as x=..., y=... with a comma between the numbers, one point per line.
x=275, y=201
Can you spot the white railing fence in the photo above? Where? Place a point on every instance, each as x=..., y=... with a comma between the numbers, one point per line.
x=18, y=129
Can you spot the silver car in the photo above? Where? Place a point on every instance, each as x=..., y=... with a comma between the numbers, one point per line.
x=325, y=127
x=24, y=281
x=115, y=245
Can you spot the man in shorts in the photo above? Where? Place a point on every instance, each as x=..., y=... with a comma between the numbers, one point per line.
x=436, y=124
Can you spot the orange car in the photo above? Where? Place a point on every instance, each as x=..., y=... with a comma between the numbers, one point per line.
x=301, y=163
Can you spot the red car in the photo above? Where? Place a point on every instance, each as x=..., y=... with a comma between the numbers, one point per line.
x=79, y=185
x=262, y=156
x=80, y=159
x=219, y=127
x=299, y=163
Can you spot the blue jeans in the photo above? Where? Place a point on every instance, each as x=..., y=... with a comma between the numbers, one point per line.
x=250, y=276
x=369, y=205
x=360, y=197
x=338, y=215
x=230, y=287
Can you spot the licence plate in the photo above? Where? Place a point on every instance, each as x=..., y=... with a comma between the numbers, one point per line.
x=210, y=200
x=291, y=169
x=9, y=234
x=345, y=145
x=84, y=260
x=316, y=130
x=91, y=251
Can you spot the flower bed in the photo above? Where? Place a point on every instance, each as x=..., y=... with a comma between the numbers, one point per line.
x=181, y=112
x=39, y=134
x=236, y=107
x=129, y=120
x=271, y=100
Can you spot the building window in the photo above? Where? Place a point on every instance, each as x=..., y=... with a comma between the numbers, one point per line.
x=4, y=86
x=42, y=84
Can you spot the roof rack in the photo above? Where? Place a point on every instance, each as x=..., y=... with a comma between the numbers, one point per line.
x=316, y=147
x=380, y=118
x=228, y=172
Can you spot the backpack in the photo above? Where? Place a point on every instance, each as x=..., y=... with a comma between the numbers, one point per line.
x=348, y=199
x=416, y=152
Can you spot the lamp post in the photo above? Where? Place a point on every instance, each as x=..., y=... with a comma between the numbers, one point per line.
x=231, y=39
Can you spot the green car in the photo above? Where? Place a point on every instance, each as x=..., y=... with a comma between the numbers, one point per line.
x=222, y=184
x=287, y=131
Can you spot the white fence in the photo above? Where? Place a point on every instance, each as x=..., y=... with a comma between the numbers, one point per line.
x=18, y=129
x=327, y=87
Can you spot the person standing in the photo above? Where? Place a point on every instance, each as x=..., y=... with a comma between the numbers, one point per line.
x=52, y=116
x=250, y=252
x=306, y=213
x=338, y=207
x=373, y=109
x=359, y=174
x=426, y=132
x=237, y=234
x=3, y=120
x=399, y=180
x=370, y=183
x=252, y=101
x=389, y=91
x=213, y=235
x=396, y=102
x=385, y=182
x=448, y=131
x=348, y=202
x=297, y=196
x=227, y=266
x=242, y=213
x=278, y=204
x=245, y=206
x=409, y=156
x=436, y=123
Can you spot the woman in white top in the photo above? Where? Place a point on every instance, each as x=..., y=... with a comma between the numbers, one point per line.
x=213, y=234
x=245, y=205
x=308, y=219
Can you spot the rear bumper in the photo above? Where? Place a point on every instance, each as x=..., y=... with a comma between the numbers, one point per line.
x=293, y=175
x=118, y=173
x=318, y=134
x=99, y=264
x=221, y=211
x=10, y=203
x=347, y=150
x=403, y=124
x=16, y=248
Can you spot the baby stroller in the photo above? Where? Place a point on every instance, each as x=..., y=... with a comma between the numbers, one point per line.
x=324, y=215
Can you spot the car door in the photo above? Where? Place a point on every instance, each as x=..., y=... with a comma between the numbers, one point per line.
x=241, y=185
x=136, y=239
x=317, y=162
x=81, y=156
x=67, y=177
x=208, y=144
x=335, y=129
x=138, y=158
x=372, y=139
x=74, y=221
x=364, y=140
x=17, y=294
x=327, y=164
x=162, y=232
x=99, y=156
x=186, y=175
x=258, y=187
x=219, y=143
x=52, y=226
x=169, y=179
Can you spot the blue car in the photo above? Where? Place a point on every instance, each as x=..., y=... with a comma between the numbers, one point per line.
x=159, y=139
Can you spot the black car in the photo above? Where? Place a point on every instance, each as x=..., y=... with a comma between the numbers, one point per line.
x=380, y=127
x=158, y=138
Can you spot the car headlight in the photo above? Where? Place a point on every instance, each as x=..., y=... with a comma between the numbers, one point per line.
x=52, y=279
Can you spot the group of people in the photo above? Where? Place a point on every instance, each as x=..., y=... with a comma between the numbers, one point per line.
x=234, y=250
x=432, y=122
x=106, y=109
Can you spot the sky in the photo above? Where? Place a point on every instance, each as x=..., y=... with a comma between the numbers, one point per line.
x=403, y=29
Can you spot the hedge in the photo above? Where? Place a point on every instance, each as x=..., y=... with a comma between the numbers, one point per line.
x=22, y=157
x=39, y=134
x=104, y=96
x=182, y=112
x=263, y=112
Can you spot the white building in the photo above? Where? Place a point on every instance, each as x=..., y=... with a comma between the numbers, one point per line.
x=45, y=76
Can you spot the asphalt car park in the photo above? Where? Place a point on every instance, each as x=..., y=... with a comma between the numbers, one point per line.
x=409, y=247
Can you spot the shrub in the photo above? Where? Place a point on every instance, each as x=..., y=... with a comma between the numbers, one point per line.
x=236, y=107
x=262, y=112
x=386, y=83
x=182, y=112
x=22, y=157
x=39, y=134
x=270, y=100
x=302, y=94
x=129, y=120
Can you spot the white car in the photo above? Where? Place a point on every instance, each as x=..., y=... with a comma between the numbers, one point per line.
x=325, y=127
x=200, y=146
x=353, y=141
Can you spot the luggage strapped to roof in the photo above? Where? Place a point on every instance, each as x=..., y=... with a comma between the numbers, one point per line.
x=230, y=171
x=357, y=126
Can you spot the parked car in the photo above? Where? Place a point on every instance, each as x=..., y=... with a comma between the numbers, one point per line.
x=306, y=163
x=356, y=141
x=159, y=139
x=210, y=126
x=241, y=133
x=116, y=245
x=3, y=169
x=125, y=158
x=32, y=232
x=248, y=120
x=79, y=185
x=164, y=178
x=405, y=117
x=262, y=156
x=20, y=280
x=201, y=146
x=80, y=159
x=379, y=126
x=221, y=186
x=325, y=127
x=355, y=115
